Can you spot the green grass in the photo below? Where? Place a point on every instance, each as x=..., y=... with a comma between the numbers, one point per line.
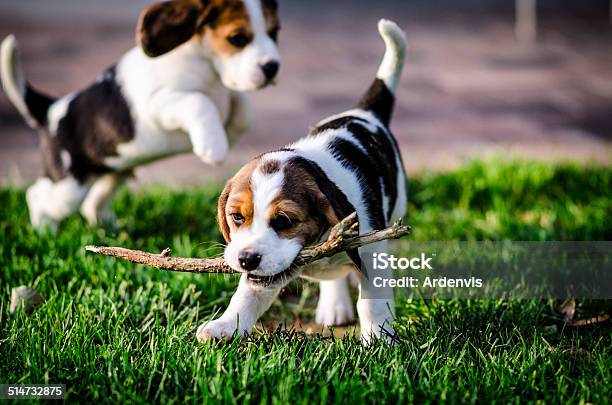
x=117, y=332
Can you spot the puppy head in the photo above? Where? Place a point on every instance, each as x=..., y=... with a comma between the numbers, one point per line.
x=239, y=36
x=270, y=210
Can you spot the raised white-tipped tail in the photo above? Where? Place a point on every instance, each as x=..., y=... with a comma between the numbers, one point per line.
x=392, y=64
x=13, y=80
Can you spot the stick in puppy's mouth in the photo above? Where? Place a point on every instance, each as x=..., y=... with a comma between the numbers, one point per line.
x=343, y=236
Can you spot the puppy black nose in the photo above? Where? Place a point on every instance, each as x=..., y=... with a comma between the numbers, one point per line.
x=249, y=260
x=270, y=70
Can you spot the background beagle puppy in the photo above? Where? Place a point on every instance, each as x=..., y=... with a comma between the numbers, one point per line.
x=178, y=91
x=287, y=199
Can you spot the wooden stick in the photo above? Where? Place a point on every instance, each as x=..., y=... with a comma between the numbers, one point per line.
x=344, y=236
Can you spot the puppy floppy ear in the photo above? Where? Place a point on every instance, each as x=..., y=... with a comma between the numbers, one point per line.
x=221, y=217
x=329, y=200
x=166, y=25
x=334, y=206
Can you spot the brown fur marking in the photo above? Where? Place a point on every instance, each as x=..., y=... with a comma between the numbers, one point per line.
x=232, y=18
x=298, y=200
x=270, y=167
x=237, y=198
x=164, y=26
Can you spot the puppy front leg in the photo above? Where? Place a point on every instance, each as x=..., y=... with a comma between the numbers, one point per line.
x=376, y=305
x=96, y=208
x=198, y=116
x=241, y=116
x=246, y=306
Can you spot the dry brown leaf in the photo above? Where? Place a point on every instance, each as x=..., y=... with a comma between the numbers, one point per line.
x=567, y=309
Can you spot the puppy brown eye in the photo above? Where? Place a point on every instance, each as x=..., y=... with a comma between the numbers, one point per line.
x=238, y=219
x=273, y=33
x=238, y=40
x=281, y=223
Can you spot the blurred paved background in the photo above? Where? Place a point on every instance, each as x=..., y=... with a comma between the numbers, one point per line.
x=469, y=89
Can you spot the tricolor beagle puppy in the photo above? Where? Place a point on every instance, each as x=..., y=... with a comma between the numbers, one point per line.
x=179, y=90
x=284, y=200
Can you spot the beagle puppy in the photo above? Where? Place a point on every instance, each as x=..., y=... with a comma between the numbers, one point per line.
x=287, y=199
x=180, y=90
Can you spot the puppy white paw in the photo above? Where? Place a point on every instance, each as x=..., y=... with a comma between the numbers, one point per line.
x=216, y=330
x=104, y=217
x=335, y=312
x=335, y=306
x=213, y=152
x=370, y=336
x=36, y=197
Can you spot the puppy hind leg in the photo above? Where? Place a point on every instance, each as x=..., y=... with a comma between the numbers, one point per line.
x=376, y=305
x=50, y=202
x=335, y=306
x=36, y=196
x=96, y=207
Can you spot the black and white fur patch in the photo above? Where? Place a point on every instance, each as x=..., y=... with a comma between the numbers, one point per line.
x=97, y=120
